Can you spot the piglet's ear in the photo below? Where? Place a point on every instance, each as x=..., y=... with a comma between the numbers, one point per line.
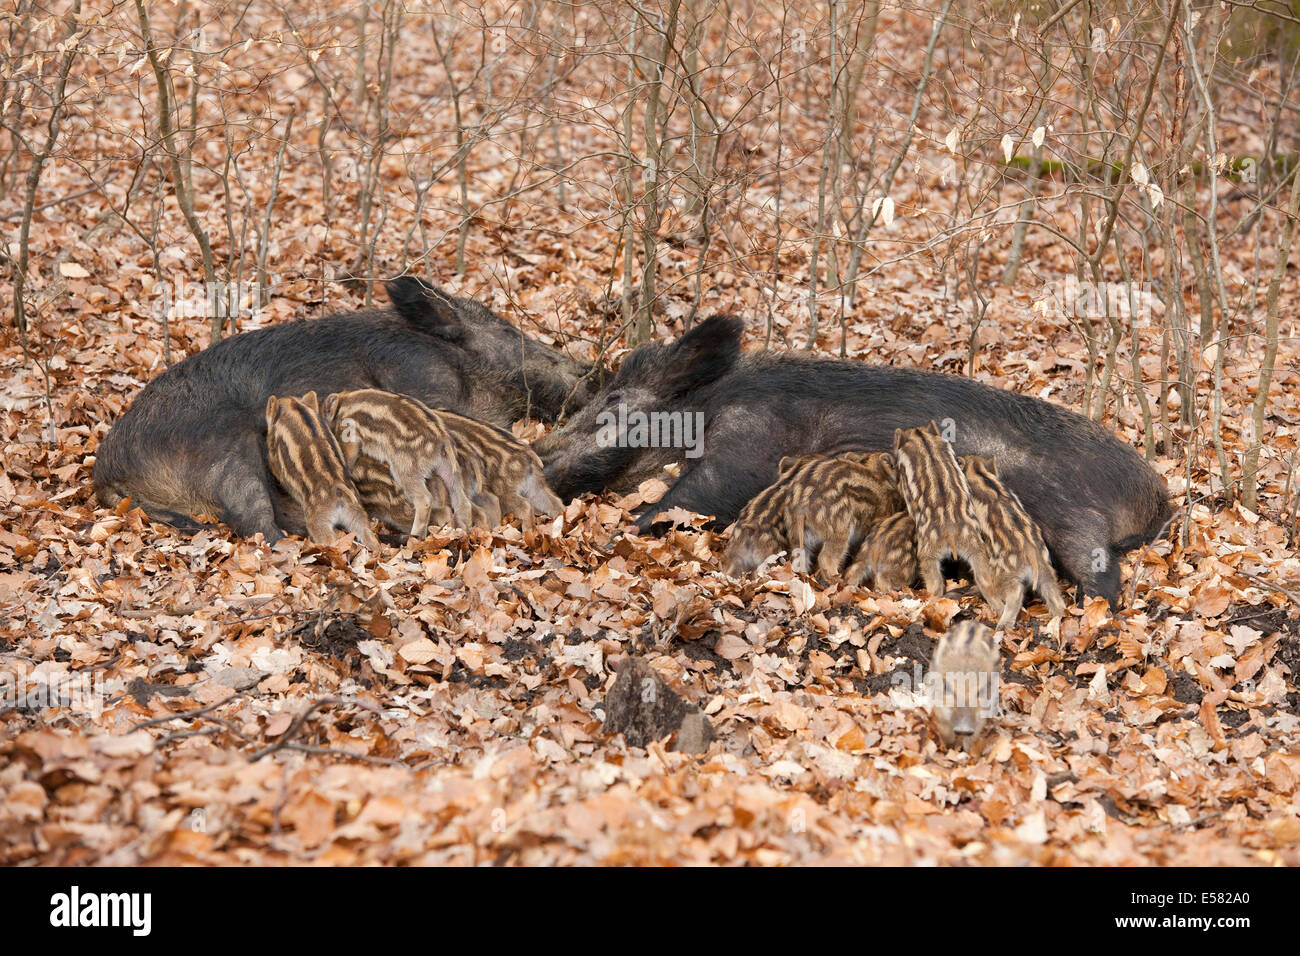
x=329, y=409
x=310, y=401
x=271, y=403
x=898, y=439
x=704, y=354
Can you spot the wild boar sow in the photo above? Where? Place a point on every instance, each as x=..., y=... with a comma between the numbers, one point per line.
x=1093, y=496
x=194, y=440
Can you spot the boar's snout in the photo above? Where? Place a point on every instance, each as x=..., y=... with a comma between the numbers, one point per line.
x=561, y=467
x=965, y=721
x=554, y=451
x=558, y=478
x=572, y=470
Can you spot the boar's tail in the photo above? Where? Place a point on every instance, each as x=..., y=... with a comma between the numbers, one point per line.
x=425, y=307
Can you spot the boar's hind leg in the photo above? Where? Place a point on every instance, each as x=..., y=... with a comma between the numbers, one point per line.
x=245, y=492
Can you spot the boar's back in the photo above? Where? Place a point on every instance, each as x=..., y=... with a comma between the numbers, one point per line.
x=194, y=437
x=1046, y=454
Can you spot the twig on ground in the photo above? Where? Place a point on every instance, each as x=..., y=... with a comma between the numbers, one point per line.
x=286, y=738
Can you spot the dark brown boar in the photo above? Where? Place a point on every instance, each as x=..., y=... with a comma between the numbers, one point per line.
x=1093, y=497
x=194, y=440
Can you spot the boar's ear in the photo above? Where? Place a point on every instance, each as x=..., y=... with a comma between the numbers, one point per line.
x=425, y=307
x=310, y=401
x=705, y=353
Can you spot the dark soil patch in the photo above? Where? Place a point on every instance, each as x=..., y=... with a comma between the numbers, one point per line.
x=1232, y=719
x=1268, y=621
x=1288, y=653
x=460, y=674
x=517, y=650
x=1187, y=689
x=915, y=646
x=1094, y=655
x=332, y=634
x=703, y=650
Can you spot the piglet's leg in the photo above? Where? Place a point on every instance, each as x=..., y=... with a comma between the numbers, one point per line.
x=835, y=549
x=930, y=556
x=415, y=489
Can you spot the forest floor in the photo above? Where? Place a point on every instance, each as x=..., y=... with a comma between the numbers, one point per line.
x=209, y=699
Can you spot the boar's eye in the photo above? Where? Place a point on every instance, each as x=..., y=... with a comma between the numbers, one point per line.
x=614, y=398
